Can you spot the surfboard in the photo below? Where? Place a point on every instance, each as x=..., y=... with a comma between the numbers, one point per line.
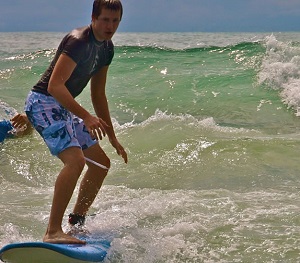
x=40, y=252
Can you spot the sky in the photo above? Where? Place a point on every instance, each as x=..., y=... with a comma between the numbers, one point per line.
x=156, y=15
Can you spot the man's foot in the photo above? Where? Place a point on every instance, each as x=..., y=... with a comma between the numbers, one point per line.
x=76, y=225
x=62, y=238
x=76, y=219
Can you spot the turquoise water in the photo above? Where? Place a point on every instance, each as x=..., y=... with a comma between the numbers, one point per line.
x=210, y=123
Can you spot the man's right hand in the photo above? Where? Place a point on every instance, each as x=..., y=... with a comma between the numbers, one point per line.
x=95, y=126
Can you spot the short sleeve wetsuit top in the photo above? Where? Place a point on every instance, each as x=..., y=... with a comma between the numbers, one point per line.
x=89, y=55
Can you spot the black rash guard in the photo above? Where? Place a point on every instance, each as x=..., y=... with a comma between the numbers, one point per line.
x=89, y=55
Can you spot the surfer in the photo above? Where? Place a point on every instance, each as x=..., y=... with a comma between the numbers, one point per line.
x=69, y=130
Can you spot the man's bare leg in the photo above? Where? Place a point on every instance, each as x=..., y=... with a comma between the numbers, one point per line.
x=73, y=160
x=92, y=180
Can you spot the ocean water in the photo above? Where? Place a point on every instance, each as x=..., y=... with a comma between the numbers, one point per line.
x=211, y=125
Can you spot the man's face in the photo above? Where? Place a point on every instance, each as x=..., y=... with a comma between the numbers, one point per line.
x=106, y=24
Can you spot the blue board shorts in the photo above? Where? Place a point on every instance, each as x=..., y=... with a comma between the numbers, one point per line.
x=59, y=128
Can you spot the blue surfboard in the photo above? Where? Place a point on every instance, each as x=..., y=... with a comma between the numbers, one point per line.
x=39, y=252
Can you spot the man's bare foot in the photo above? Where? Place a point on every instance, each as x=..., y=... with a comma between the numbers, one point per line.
x=62, y=238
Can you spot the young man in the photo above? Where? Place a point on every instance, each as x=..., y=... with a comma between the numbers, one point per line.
x=68, y=129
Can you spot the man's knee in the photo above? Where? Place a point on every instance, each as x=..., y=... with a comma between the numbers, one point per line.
x=73, y=157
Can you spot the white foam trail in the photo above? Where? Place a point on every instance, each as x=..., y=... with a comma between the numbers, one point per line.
x=280, y=71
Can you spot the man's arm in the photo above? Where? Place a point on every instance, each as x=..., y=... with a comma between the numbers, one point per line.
x=99, y=100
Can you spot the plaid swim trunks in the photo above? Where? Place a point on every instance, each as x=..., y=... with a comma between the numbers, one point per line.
x=59, y=128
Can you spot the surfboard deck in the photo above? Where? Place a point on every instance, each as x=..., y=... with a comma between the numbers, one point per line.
x=40, y=252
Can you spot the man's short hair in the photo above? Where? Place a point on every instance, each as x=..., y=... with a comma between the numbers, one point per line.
x=114, y=5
